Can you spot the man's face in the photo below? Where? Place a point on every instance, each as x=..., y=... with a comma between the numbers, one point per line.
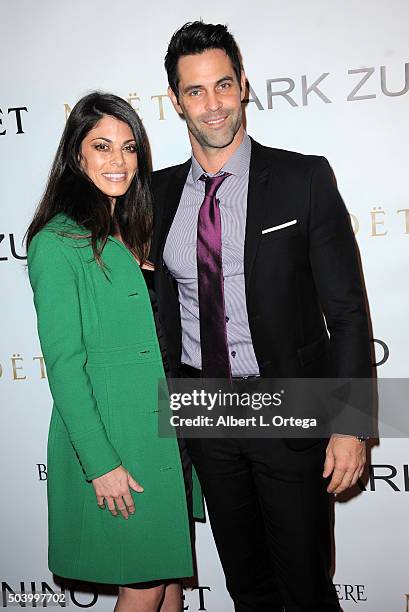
x=209, y=98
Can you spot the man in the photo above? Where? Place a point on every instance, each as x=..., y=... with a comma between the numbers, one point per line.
x=244, y=282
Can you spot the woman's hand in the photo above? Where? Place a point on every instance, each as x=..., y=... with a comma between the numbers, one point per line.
x=114, y=488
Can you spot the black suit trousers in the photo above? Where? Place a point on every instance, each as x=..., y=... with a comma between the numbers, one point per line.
x=270, y=516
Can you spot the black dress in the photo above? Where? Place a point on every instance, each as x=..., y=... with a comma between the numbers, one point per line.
x=148, y=276
x=186, y=463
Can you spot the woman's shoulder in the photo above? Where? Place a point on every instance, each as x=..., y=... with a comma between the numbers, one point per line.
x=61, y=233
x=61, y=229
x=64, y=226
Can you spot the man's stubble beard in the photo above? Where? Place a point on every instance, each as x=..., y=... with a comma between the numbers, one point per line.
x=216, y=140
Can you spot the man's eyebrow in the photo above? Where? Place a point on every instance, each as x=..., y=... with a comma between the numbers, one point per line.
x=190, y=88
x=221, y=80
x=225, y=78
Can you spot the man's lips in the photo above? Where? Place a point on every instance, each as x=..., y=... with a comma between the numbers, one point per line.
x=215, y=121
x=115, y=177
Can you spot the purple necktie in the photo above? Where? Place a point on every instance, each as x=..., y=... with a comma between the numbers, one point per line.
x=213, y=333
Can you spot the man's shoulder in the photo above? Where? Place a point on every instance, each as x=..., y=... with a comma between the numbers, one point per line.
x=164, y=175
x=285, y=159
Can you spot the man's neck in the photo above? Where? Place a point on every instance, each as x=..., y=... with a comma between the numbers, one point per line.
x=212, y=159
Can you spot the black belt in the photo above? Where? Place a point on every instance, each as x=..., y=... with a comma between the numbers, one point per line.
x=187, y=371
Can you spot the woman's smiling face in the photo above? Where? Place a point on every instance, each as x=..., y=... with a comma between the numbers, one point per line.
x=109, y=157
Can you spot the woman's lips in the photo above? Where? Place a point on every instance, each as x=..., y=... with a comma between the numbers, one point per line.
x=115, y=177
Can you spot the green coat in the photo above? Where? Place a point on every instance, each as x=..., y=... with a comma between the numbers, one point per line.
x=103, y=361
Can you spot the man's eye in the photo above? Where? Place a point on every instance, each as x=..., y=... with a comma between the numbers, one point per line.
x=224, y=85
x=195, y=92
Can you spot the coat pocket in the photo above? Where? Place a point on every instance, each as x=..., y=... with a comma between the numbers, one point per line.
x=145, y=352
x=279, y=227
x=282, y=230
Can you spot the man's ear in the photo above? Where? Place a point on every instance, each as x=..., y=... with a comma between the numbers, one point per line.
x=243, y=85
x=174, y=101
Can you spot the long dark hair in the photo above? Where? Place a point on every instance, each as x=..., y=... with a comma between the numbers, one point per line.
x=194, y=38
x=69, y=190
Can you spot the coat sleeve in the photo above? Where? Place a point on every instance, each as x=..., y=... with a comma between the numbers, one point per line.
x=337, y=276
x=54, y=281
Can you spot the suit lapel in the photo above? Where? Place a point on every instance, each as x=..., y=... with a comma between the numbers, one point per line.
x=259, y=175
x=170, y=201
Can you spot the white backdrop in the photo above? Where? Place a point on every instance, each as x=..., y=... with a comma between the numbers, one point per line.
x=345, y=68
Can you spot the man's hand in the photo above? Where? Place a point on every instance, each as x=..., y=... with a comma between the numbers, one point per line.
x=113, y=487
x=345, y=460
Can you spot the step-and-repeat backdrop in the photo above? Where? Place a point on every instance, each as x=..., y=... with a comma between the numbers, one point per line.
x=327, y=78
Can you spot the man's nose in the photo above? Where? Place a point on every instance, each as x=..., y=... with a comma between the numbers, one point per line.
x=213, y=101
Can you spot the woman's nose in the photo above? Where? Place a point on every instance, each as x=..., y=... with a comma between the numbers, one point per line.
x=117, y=157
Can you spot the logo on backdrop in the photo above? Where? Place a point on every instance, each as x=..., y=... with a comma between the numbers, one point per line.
x=381, y=352
x=41, y=471
x=362, y=84
x=387, y=477
x=19, y=368
x=196, y=598
x=8, y=248
x=134, y=100
x=382, y=477
x=351, y=592
x=11, y=120
x=83, y=595
x=376, y=225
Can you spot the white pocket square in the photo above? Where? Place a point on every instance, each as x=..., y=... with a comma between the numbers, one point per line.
x=278, y=227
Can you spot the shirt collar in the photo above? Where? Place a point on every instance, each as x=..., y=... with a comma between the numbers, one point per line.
x=238, y=164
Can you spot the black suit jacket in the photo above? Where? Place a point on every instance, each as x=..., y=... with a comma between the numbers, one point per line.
x=300, y=280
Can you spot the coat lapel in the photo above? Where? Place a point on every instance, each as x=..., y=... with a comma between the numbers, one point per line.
x=259, y=175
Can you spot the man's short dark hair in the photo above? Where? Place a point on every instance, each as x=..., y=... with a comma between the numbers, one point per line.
x=195, y=38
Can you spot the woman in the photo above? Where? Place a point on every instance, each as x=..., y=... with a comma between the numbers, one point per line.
x=86, y=245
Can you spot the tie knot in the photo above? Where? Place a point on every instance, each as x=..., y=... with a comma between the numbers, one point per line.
x=212, y=183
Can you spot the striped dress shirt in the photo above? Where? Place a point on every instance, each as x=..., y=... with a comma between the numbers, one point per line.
x=180, y=259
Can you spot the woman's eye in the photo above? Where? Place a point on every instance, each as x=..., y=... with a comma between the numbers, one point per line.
x=131, y=148
x=101, y=146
